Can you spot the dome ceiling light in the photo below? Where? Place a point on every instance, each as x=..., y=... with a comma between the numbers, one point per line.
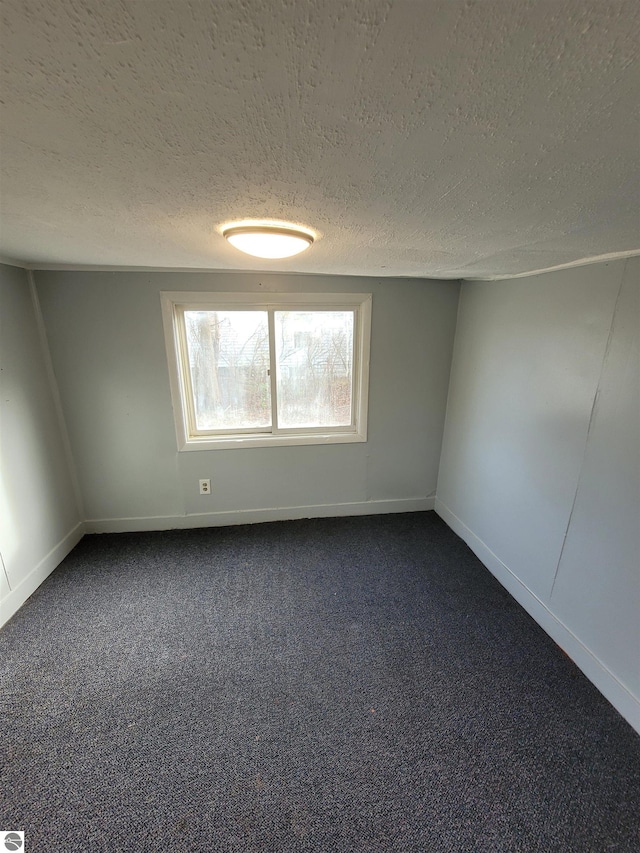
x=268, y=241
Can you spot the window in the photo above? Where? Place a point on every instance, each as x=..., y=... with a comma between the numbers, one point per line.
x=252, y=369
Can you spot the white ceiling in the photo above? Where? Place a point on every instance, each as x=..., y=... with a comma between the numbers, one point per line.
x=417, y=138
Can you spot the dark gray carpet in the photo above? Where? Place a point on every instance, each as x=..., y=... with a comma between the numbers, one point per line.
x=357, y=684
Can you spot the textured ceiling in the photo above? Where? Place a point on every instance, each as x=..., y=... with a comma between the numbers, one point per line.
x=417, y=138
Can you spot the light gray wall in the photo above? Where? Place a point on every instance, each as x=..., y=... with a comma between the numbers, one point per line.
x=106, y=338
x=540, y=464
x=39, y=516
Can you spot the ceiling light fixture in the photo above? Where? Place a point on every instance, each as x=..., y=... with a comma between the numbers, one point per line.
x=268, y=241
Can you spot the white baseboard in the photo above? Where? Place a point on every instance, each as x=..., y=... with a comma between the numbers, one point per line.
x=255, y=516
x=12, y=602
x=596, y=671
x=15, y=598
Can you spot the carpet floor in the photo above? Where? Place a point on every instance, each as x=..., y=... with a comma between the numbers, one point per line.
x=353, y=685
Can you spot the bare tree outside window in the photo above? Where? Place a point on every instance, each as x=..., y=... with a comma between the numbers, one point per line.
x=229, y=364
x=229, y=367
x=314, y=364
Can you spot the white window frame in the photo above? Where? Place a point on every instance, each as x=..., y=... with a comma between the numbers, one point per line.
x=174, y=304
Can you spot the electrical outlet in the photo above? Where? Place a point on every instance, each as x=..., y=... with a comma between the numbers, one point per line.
x=205, y=487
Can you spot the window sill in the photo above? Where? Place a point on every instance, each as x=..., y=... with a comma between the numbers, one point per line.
x=229, y=442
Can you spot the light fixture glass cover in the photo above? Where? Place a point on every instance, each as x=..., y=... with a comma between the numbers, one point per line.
x=268, y=241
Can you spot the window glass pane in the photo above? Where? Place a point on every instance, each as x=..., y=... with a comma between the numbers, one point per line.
x=229, y=364
x=314, y=367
